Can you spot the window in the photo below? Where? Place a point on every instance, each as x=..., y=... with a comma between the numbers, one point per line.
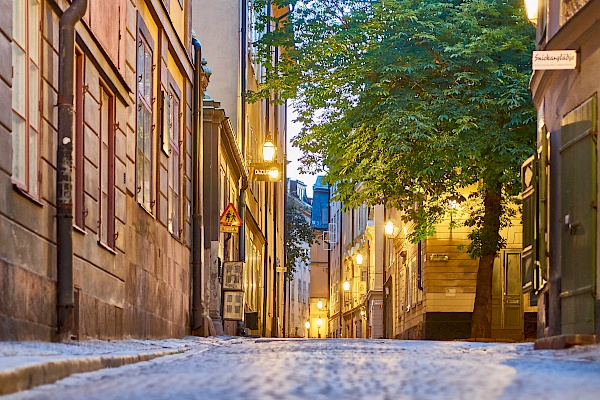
x=145, y=125
x=106, y=231
x=26, y=95
x=78, y=187
x=174, y=136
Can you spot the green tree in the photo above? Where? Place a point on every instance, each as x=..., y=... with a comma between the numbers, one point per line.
x=299, y=236
x=415, y=99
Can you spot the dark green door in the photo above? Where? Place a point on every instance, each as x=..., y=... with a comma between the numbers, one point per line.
x=578, y=213
x=507, y=308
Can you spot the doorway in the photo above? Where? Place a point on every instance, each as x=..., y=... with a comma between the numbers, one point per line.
x=507, y=298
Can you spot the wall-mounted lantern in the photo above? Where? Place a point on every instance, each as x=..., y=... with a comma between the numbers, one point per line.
x=531, y=8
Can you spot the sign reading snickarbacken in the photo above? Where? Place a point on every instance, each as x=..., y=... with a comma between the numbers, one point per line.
x=554, y=59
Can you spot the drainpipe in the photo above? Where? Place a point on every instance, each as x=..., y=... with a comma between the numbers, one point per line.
x=197, y=306
x=242, y=125
x=64, y=197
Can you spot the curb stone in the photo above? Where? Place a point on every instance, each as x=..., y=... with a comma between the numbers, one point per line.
x=27, y=377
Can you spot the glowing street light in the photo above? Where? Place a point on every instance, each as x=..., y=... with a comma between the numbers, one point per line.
x=319, y=304
x=531, y=7
x=359, y=259
x=319, y=324
x=389, y=228
x=268, y=151
x=346, y=286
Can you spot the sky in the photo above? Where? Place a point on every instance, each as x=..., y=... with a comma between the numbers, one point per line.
x=293, y=154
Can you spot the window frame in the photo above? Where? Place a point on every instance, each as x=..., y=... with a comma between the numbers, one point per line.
x=108, y=220
x=145, y=102
x=79, y=212
x=175, y=163
x=24, y=184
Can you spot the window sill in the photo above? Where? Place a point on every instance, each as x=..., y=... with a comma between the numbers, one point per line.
x=148, y=210
x=19, y=189
x=79, y=229
x=107, y=247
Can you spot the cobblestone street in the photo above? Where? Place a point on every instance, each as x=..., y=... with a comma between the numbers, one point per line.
x=342, y=369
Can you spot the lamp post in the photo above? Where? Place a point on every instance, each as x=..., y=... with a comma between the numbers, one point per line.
x=307, y=326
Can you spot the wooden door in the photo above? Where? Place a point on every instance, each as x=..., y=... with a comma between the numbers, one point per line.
x=507, y=298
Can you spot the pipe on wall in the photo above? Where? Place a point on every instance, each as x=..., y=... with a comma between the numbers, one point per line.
x=197, y=304
x=64, y=168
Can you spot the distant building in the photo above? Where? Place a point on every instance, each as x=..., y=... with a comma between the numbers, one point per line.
x=320, y=203
x=299, y=287
x=319, y=262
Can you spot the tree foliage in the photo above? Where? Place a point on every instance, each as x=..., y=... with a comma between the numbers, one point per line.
x=415, y=99
x=299, y=236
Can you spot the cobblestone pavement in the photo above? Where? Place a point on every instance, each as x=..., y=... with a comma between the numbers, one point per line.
x=239, y=368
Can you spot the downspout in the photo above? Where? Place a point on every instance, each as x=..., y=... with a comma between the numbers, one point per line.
x=197, y=306
x=265, y=266
x=242, y=125
x=64, y=168
x=275, y=273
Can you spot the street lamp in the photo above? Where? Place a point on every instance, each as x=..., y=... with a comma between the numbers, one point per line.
x=268, y=151
x=307, y=326
x=346, y=286
x=319, y=324
x=359, y=259
x=531, y=7
x=319, y=304
x=389, y=228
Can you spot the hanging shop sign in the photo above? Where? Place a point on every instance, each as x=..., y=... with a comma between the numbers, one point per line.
x=230, y=220
x=554, y=59
x=266, y=172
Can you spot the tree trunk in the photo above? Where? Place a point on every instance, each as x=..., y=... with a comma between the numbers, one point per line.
x=481, y=321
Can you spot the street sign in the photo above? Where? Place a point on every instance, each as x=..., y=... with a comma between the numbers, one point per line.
x=555, y=59
x=229, y=229
x=230, y=217
x=233, y=275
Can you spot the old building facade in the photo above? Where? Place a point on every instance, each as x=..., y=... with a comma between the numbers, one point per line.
x=560, y=182
x=228, y=29
x=95, y=225
x=385, y=286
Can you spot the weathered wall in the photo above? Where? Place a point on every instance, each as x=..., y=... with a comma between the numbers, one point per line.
x=140, y=286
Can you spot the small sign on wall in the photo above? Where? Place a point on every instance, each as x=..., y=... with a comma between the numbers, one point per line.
x=233, y=275
x=234, y=305
x=555, y=59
